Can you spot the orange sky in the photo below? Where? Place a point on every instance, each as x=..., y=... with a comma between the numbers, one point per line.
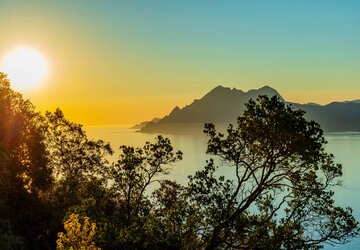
x=115, y=62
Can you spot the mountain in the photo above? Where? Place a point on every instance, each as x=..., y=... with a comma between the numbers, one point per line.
x=143, y=124
x=335, y=116
x=353, y=101
x=313, y=104
x=221, y=106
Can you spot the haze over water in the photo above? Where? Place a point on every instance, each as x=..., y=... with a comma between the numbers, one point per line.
x=119, y=62
x=345, y=147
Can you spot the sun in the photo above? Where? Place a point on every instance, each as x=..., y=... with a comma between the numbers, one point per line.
x=25, y=67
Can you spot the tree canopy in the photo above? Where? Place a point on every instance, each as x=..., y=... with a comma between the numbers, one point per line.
x=278, y=194
x=25, y=173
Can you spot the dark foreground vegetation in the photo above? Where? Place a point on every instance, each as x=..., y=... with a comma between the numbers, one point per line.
x=57, y=188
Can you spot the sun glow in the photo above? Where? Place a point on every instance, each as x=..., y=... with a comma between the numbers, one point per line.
x=25, y=68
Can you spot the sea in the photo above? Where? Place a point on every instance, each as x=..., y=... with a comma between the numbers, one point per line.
x=344, y=146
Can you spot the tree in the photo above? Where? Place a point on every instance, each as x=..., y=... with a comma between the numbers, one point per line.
x=138, y=168
x=124, y=213
x=135, y=171
x=77, y=235
x=280, y=194
x=98, y=202
x=75, y=159
x=22, y=149
x=173, y=220
x=25, y=175
x=73, y=155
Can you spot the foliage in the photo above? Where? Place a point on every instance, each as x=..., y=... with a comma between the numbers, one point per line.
x=75, y=159
x=25, y=173
x=73, y=155
x=278, y=194
x=22, y=149
x=99, y=203
x=177, y=221
x=134, y=172
x=138, y=168
x=77, y=235
x=279, y=162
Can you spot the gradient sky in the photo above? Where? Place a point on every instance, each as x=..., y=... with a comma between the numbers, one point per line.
x=122, y=62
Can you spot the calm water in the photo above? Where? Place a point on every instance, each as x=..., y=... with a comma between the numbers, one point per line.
x=345, y=147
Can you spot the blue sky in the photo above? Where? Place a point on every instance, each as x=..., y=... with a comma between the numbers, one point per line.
x=160, y=54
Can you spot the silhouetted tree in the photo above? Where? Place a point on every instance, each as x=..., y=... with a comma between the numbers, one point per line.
x=75, y=159
x=137, y=168
x=99, y=203
x=280, y=194
x=134, y=172
x=174, y=219
x=25, y=175
x=73, y=155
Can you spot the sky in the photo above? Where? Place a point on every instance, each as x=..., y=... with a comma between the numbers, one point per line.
x=123, y=62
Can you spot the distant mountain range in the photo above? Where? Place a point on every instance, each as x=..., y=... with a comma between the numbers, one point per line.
x=223, y=105
x=143, y=124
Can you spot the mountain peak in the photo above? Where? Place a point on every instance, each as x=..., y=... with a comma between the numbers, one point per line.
x=217, y=92
x=267, y=87
x=175, y=110
x=219, y=88
x=221, y=91
x=222, y=105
